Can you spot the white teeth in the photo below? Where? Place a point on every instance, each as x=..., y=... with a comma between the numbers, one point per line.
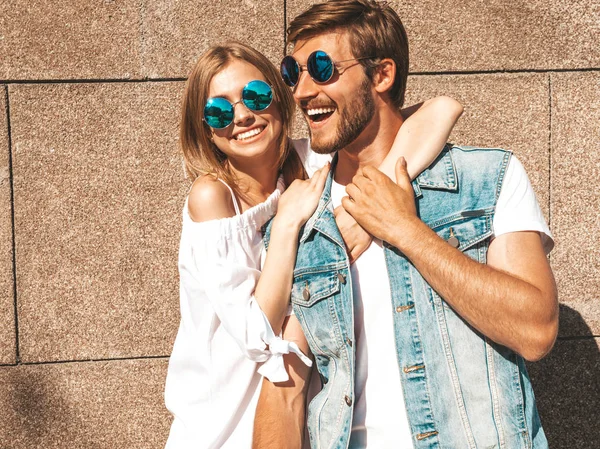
x=319, y=111
x=247, y=134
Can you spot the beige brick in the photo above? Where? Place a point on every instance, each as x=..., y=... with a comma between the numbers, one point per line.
x=112, y=405
x=7, y=315
x=177, y=33
x=567, y=390
x=54, y=39
x=459, y=35
x=575, y=199
x=507, y=111
x=98, y=195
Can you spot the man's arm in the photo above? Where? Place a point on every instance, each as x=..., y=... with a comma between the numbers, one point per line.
x=512, y=300
x=280, y=413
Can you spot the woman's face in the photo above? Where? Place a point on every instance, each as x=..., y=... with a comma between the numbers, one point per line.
x=251, y=134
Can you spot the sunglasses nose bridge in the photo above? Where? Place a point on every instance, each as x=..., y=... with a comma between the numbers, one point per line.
x=306, y=86
x=240, y=115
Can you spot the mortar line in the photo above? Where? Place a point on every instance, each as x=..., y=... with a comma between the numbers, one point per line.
x=94, y=81
x=171, y=79
x=503, y=71
x=12, y=218
x=108, y=359
x=550, y=151
x=578, y=337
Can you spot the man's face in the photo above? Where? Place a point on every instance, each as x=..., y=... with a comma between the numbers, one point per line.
x=339, y=110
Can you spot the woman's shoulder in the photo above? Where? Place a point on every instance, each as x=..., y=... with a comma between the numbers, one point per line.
x=210, y=199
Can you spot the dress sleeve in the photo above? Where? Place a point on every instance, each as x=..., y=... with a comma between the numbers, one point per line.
x=225, y=263
x=517, y=208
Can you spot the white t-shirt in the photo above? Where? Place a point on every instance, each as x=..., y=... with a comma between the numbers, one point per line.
x=379, y=410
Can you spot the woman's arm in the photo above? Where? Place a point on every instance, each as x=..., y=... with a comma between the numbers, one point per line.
x=296, y=205
x=250, y=305
x=423, y=134
x=281, y=410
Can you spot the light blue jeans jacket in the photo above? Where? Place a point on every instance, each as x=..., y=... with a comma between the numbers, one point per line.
x=461, y=390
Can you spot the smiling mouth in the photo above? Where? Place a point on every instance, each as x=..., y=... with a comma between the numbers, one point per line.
x=248, y=134
x=317, y=115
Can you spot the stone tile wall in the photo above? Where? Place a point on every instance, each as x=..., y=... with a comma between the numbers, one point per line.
x=91, y=190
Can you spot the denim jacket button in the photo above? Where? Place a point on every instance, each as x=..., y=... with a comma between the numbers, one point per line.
x=348, y=400
x=348, y=341
x=341, y=278
x=453, y=241
x=306, y=293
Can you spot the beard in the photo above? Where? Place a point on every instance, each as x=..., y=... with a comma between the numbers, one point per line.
x=354, y=118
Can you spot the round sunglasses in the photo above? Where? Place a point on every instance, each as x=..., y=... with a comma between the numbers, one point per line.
x=319, y=65
x=219, y=112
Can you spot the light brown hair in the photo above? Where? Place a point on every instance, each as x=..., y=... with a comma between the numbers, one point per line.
x=201, y=156
x=374, y=29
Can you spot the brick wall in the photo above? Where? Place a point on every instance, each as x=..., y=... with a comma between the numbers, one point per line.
x=91, y=190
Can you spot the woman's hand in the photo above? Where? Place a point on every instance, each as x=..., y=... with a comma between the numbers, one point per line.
x=357, y=240
x=301, y=198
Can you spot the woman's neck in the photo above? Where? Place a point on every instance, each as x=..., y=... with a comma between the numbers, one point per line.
x=255, y=180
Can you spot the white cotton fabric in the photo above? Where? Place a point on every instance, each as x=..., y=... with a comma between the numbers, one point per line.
x=380, y=419
x=220, y=353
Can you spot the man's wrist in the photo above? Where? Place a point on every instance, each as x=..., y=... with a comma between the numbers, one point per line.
x=409, y=235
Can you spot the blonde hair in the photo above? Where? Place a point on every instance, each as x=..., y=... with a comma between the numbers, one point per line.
x=201, y=156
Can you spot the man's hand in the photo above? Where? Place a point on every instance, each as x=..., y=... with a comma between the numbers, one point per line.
x=378, y=204
x=357, y=240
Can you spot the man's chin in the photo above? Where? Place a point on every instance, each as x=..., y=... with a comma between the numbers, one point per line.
x=320, y=146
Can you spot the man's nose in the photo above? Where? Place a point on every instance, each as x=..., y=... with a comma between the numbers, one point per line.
x=306, y=87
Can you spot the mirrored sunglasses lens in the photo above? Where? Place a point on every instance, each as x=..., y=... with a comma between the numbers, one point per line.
x=257, y=95
x=320, y=66
x=289, y=71
x=218, y=113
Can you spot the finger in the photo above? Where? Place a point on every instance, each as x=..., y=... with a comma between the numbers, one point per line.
x=371, y=172
x=360, y=181
x=348, y=205
x=338, y=212
x=321, y=178
x=353, y=191
x=402, y=178
x=354, y=253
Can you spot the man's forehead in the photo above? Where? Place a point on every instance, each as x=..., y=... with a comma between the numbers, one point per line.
x=334, y=43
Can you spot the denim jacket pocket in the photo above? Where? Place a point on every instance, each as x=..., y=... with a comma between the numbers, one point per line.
x=311, y=286
x=466, y=229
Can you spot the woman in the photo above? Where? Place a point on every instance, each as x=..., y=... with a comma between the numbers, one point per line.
x=236, y=118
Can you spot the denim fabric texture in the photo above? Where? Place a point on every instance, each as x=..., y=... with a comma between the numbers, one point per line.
x=461, y=390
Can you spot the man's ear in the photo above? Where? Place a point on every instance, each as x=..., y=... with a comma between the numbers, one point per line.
x=385, y=75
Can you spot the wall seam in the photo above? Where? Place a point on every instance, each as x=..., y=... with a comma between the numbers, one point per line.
x=93, y=81
x=550, y=150
x=142, y=39
x=61, y=362
x=284, y=25
x=170, y=79
x=12, y=218
x=578, y=337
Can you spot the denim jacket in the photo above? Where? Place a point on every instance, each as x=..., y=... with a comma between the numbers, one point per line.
x=461, y=390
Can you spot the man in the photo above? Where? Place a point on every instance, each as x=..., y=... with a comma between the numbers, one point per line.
x=421, y=342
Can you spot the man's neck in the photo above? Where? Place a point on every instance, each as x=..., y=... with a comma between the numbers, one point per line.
x=370, y=148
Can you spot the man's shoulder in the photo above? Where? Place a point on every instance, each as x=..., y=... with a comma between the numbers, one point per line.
x=473, y=159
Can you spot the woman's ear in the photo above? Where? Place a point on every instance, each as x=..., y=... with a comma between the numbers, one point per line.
x=385, y=75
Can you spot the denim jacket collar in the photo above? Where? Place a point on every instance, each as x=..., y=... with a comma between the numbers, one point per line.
x=440, y=175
